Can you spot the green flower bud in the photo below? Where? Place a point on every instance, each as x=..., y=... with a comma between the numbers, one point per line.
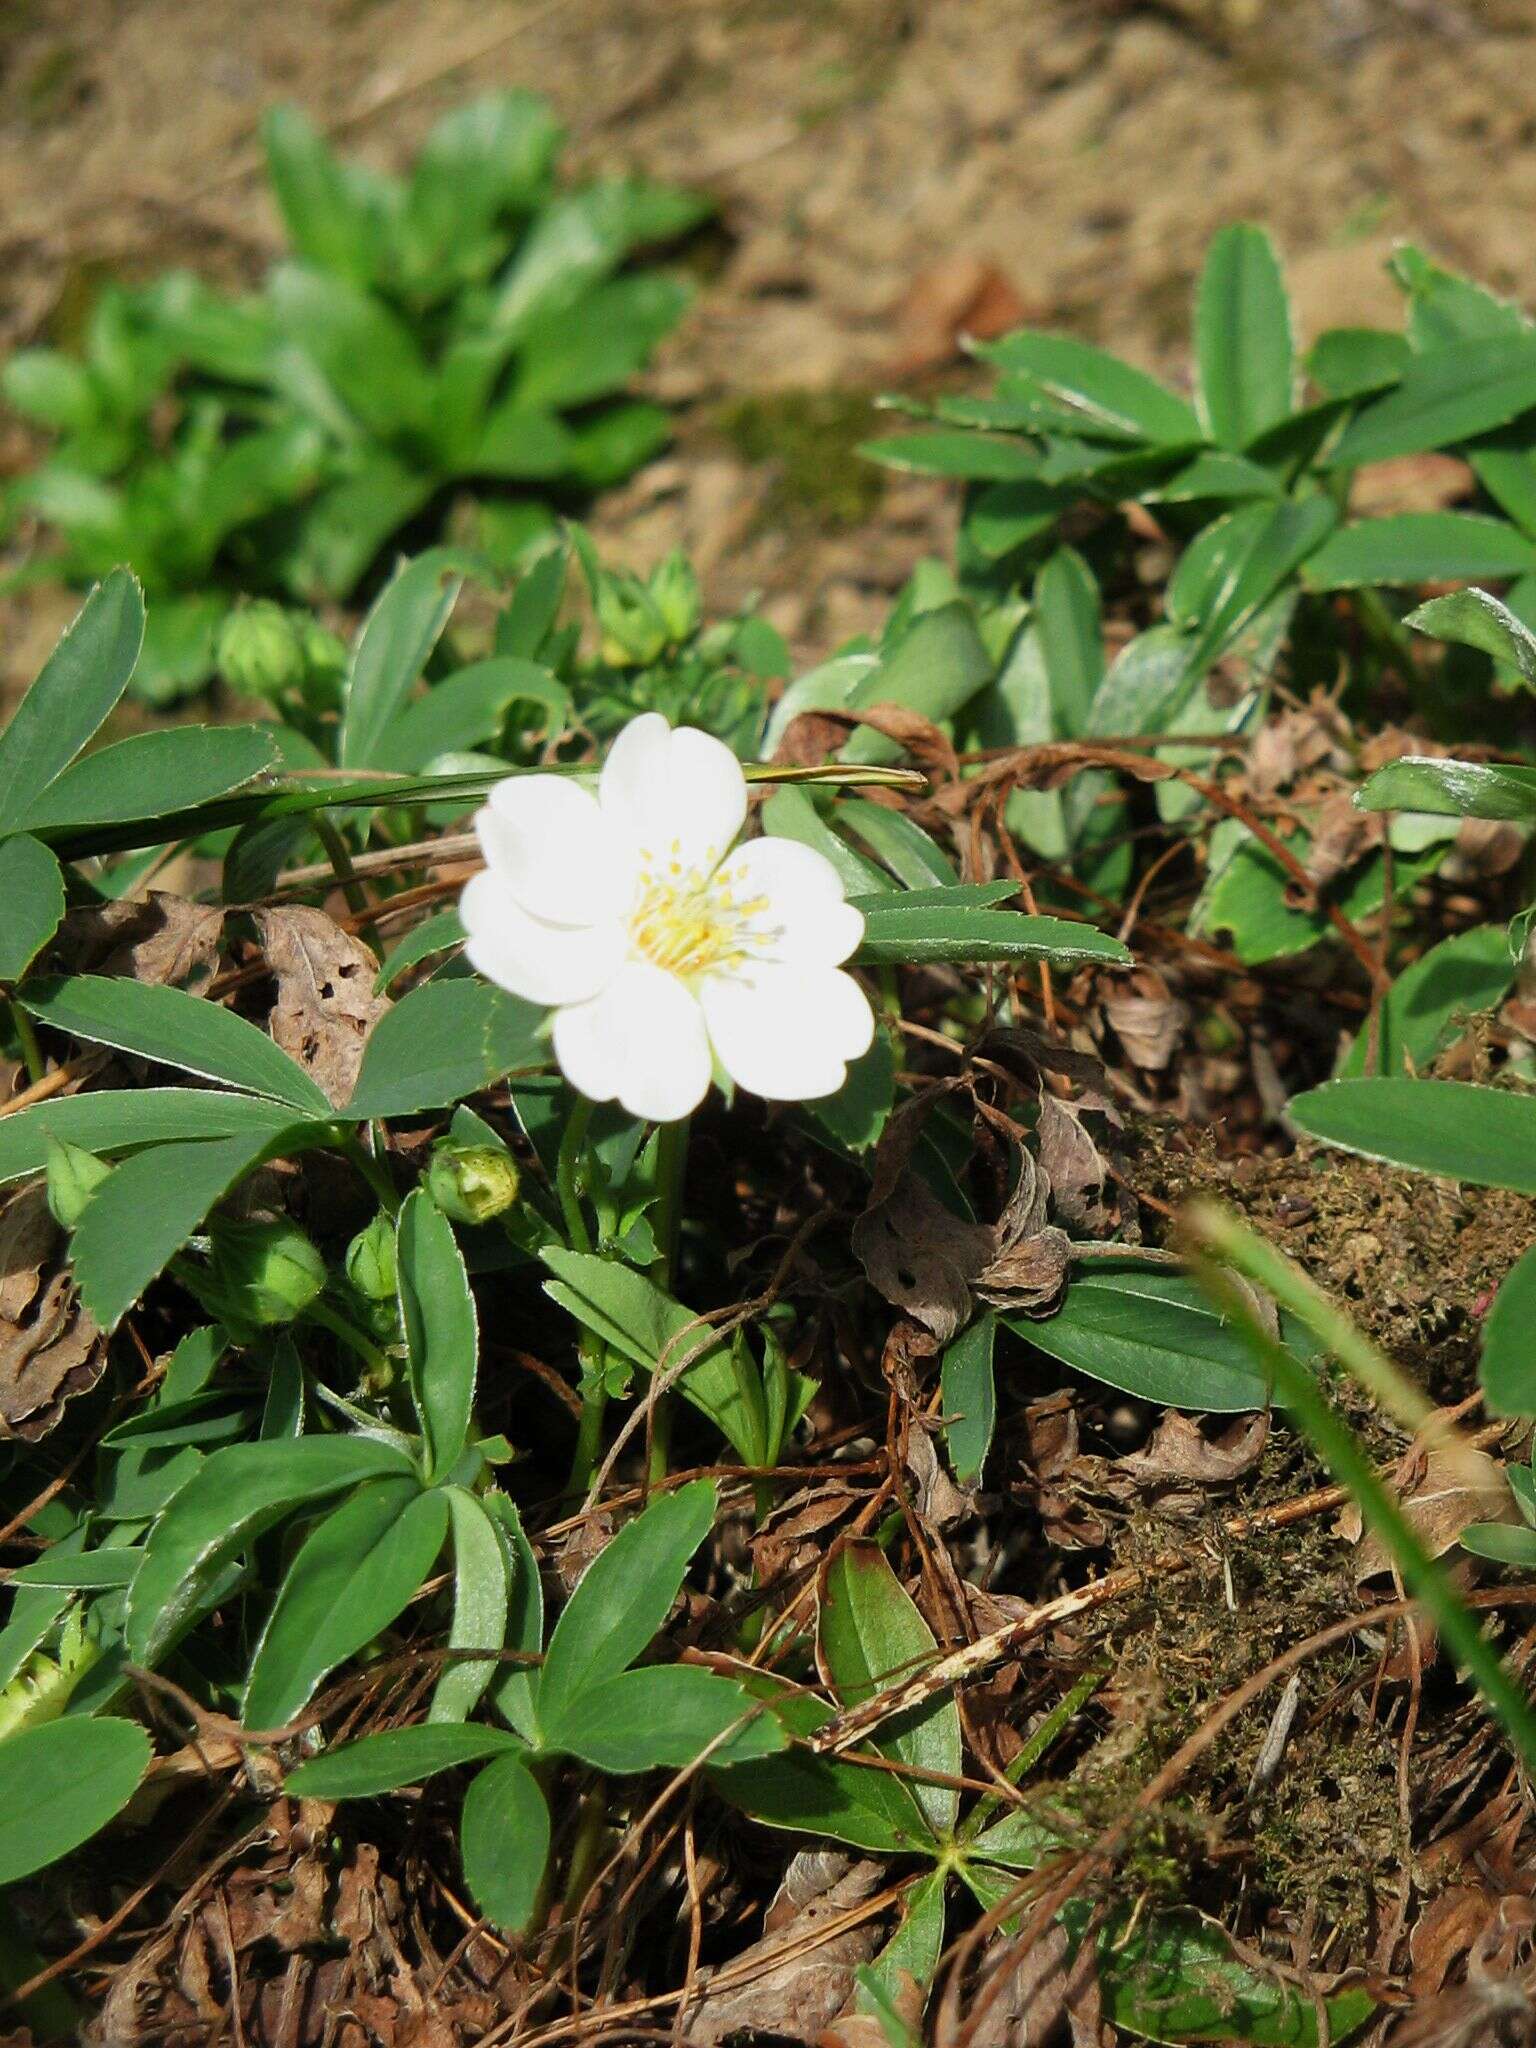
x=261, y=1274
x=74, y=1176
x=370, y=1261
x=260, y=653
x=633, y=629
x=471, y=1183
x=674, y=591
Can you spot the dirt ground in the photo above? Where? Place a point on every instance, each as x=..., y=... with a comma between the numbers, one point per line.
x=887, y=171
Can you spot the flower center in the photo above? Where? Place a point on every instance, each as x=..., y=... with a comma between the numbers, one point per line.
x=690, y=921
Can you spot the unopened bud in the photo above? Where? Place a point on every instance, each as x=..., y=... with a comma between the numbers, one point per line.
x=674, y=591
x=633, y=629
x=370, y=1261
x=74, y=1175
x=472, y=1183
x=260, y=653
x=262, y=1274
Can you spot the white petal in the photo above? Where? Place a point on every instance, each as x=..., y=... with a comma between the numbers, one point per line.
x=549, y=842
x=543, y=963
x=787, y=1032
x=680, y=797
x=642, y=1040
x=804, y=920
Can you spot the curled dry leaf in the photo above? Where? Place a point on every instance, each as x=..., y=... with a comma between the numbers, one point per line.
x=1179, y=1449
x=928, y=1262
x=50, y=1349
x=1444, y=1486
x=796, y=1998
x=325, y=1004
x=1147, y=1018
x=166, y=940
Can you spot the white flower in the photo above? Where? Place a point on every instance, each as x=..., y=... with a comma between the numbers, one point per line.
x=663, y=953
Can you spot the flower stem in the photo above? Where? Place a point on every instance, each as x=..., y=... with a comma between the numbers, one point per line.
x=671, y=1170
x=372, y=1172
x=379, y=1368
x=568, y=1174
x=31, y=1051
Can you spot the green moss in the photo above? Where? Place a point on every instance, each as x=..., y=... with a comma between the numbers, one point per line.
x=811, y=438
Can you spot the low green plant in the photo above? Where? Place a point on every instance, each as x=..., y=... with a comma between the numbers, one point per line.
x=471, y=329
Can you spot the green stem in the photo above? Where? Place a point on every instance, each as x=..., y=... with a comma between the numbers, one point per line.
x=379, y=1367
x=671, y=1170
x=372, y=1172
x=31, y=1051
x=594, y=1404
x=1335, y=1442
x=346, y=875
x=568, y=1174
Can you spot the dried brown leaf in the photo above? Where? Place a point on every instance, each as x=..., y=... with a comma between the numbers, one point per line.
x=795, y=1998
x=1444, y=1489
x=166, y=940
x=50, y=1349
x=1180, y=1449
x=325, y=1004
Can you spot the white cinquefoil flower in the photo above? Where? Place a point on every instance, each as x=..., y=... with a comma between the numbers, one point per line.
x=664, y=954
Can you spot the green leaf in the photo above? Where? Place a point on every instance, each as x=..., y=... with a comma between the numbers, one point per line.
x=442, y=1338
x=514, y=1687
x=224, y=1506
x=504, y=1841
x=333, y=211
x=481, y=1577
x=968, y=1396
x=1467, y=973
x=1508, y=1370
x=477, y=163
x=1176, y=1978
x=469, y=708
x=119, y=1120
x=365, y=354
x=435, y=934
x=81, y=682
x=898, y=932
x=792, y=814
x=1243, y=337
x=353, y=1575
x=1506, y=468
x=856, y=1115
x=623, y=1598
x=952, y=452
x=31, y=903
x=1486, y=1136
x=178, y=1030
x=895, y=839
x=398, y=1756
x=1451, y=789
x=399, y=633
x=152, y=774
x=1349, y=362
x=823, y=1795
x=342, y=529
x=443, y=1041
x=1503, y=1542
x=871, y=1636
x=666, y=1715
x=1475, y=619
x=937, y=666
x=94, y=1569
x=148, y=1207
x=1151, y=1333
x=1444, y=309
x=1105, y=390
x=1071, y=638
x=914, y=1949
x=592, y=350
x=1446, y=396
x=1419, y=547
x=1252, y=555
x=631, y=1313
x=62, y=1783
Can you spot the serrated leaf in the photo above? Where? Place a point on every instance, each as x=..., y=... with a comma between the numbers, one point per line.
x=896, y=932
x=504, y=1840
x=153, y=774
x=1475, y=619
x=120, y=1120
x=1446, y=396
x=1419, y=547
x=664, y=1716
x=443, y=1041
